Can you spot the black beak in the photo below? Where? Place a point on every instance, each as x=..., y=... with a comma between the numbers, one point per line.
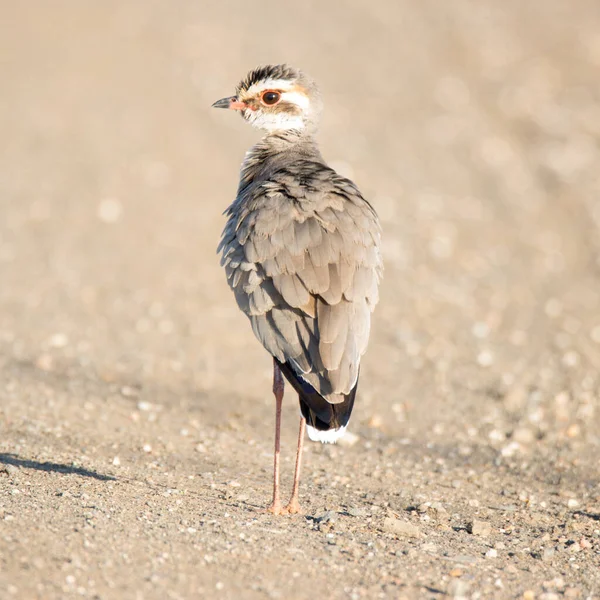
x=225, y=102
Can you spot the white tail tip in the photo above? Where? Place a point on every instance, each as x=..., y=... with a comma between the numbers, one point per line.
x=325, y=437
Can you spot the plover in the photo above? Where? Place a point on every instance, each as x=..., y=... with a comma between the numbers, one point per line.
x=301, y=249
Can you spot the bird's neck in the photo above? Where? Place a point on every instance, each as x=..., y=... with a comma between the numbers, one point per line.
x=275, y=150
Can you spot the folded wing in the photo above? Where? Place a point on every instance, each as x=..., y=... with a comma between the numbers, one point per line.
x=302, y=257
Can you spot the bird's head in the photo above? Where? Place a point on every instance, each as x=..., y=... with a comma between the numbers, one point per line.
x=276, y=98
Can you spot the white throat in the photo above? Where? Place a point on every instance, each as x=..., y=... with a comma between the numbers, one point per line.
x=274, y=122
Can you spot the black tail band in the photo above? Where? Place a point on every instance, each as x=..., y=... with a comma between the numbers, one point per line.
x=319, y=413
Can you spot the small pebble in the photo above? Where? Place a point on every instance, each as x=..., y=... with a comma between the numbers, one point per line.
x=584, y=543
x=458, y=588
x=10, y=469
x=485, y=358
x=510, y=449
x=329, y=516
x=523, y=435
x=348, y=440
x=480, y=528
x=59, y=340
x=573, y=430
x=128, y=392
x=109, y=210
x=400, y=528
x=558, y=583
x=548, y=553
x=375, y=422
x=571, y=358
x=491, y=553
x=496, y=436
x=356, y=512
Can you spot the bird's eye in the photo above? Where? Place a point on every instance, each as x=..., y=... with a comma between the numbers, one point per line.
x=271, y=98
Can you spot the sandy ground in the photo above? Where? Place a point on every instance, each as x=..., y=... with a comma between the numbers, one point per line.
x=135, y=407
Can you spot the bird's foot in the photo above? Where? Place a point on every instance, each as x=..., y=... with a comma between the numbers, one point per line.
x=276, y=508
x=293, y=507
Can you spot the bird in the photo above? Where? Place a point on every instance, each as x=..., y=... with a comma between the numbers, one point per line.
x=302, y=253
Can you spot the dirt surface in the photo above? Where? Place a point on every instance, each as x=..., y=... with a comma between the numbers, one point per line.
x=135, y=408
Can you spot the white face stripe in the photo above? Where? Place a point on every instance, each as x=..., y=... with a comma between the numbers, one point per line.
x=297, y=98
x=268, y=84
x=277, y=121
x=287, y=87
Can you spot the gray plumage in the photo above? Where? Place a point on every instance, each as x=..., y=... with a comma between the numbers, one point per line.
x=301, y=247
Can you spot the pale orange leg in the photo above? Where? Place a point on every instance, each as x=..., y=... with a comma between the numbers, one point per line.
x=293, y=506
x=275, y=506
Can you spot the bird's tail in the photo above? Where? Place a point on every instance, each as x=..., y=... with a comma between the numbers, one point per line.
x=325, y=422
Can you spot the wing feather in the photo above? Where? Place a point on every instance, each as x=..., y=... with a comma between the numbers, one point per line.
x=304, y=263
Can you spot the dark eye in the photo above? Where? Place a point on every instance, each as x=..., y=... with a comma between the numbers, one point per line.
x=270, y=98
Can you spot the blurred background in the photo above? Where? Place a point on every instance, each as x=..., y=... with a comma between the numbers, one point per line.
x=473, y=127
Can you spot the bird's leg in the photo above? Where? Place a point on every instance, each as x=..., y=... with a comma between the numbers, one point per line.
x=275, y=506
x=293, y=506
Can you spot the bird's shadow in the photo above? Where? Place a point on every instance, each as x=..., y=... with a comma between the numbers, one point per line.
x=16, y=461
